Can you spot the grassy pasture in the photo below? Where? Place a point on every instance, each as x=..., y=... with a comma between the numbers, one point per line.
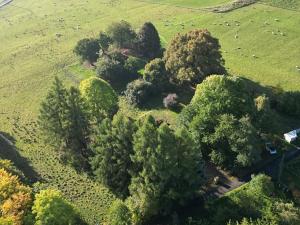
x=37, y=38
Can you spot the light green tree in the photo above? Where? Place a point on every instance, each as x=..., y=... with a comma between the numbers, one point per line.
x=100, y=98
x=50, y=208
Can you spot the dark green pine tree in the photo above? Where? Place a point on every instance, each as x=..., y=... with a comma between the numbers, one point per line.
x=144, y=200
x=190, y=167
x=77, y=126
x=149, y=41
x=52, y=118
x=112, y=148
x=170, y=169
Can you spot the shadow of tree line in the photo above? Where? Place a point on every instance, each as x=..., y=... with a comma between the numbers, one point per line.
x=11, y=153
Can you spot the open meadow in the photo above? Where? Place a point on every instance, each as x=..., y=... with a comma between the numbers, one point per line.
x=36, y=44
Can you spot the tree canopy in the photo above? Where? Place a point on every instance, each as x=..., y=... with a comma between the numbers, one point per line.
x=122, y=34
x=88, y=49
x=169, y=169
x=192, y=56
x=149, y=41
x=15, y=199
x=101, y=99
x=50, y=208
x=219, y=116
x=64, y=123
x=113, y=147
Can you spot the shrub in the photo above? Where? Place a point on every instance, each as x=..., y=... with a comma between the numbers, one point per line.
x=119, y=214
x=133, y=65
x=155, y=72
x=138, y=92
x=88, y=49
x=50, y=208
x=170, y=101
x=109, y=69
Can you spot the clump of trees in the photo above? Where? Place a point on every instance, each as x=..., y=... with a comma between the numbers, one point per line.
x=255, y=204
x=122, y=53
x=113, y=147
x=221, y=116
x=20, y=205
x=170, y=169
x=65, y=124
x=68, y=115
x=151, y=167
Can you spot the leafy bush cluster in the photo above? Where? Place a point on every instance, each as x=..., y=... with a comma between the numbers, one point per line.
x=138, y=92
x=19, y=205
x=255, y=203
x=224, y=118
x=122, y=53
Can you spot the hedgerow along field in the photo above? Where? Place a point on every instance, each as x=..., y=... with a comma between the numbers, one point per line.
x=37, y=39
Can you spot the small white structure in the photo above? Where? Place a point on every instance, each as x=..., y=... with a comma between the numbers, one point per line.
x=292, y=135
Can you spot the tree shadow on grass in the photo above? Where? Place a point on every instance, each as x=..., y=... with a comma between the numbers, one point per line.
x=10, y=152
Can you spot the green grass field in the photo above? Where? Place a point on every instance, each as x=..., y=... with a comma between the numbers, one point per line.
x=31, y=54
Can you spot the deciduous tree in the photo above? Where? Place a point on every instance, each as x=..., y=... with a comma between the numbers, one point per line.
x=122, y=34
x=50, y=208
x=100, y=98
x=88, y=49
x=15, y=198
x=192, y=56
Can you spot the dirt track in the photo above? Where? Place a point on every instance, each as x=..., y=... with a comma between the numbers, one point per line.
x=4, y=3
